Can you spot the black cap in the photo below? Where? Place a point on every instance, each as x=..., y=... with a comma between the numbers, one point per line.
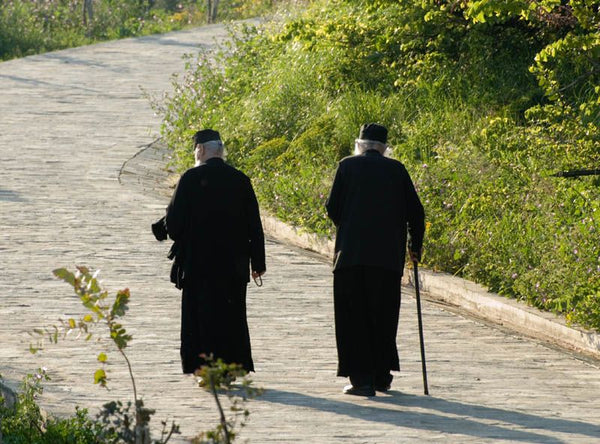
x=206, y=135
x=373, y=131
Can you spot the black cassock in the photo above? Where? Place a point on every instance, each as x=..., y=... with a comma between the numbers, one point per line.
x=214, y=218
x=374, y=206
x=213, y=320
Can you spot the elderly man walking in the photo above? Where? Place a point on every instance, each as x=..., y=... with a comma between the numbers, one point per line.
x=375, y=207
x=214, y=218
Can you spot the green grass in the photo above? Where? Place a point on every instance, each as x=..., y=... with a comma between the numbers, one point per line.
x=33, y=26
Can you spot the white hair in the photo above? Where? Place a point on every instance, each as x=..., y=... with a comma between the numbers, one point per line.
x=214, y=147
x=362, y=145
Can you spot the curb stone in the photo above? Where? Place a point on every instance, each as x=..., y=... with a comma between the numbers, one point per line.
x=462, y=294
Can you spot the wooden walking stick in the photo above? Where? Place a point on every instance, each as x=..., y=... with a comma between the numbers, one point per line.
x=423, y=364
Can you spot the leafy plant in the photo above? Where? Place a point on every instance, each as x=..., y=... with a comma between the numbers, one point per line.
x=102, y=311
x=25, y=423
x=215, y=377
x=129, y=423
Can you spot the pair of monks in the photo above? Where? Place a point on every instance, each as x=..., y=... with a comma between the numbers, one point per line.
x=214, y=219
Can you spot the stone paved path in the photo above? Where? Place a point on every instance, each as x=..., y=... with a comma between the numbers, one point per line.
x=69, y=120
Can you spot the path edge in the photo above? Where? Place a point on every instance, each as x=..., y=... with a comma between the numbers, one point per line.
x=466, y=295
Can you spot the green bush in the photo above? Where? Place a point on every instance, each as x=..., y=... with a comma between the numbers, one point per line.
x=24, y=423
x=484, y=101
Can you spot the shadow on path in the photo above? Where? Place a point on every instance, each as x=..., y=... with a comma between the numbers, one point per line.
x=56, y=86
x=167, y=41
x=455, y=418
x=10, y=196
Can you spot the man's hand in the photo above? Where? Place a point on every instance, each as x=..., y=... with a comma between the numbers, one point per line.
x=415, y=256
x=256, y=274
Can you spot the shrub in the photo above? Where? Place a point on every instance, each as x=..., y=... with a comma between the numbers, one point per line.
x=484, y=101
x=25, y=423
x=116, y=422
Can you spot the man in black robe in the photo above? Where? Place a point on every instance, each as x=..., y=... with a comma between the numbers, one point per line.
x=374, y=205
x=214, y=219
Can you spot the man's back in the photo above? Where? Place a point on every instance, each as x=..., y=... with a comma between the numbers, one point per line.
x=215, y=214
x=371, y=202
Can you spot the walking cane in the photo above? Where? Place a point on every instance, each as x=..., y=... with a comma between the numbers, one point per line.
x=423, y=364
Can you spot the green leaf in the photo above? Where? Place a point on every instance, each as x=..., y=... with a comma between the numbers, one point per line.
x=93, y=286
x=120, y=307
x=65, y=275
x=72, y=323
x=100, y=377
x=83, y=270
x=102, y=357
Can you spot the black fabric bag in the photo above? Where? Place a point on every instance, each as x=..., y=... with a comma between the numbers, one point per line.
x=176, y=253
x=159, y=229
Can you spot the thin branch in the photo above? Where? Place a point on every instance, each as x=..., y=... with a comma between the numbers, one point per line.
x=135, y=398
x=577, y=173
x=173, y=427
x=213, y=389
x=578, y=79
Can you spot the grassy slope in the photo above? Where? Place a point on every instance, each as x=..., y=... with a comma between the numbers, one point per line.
x=465, y=114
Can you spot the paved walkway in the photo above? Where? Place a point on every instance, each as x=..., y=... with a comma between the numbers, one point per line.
x=69, y=121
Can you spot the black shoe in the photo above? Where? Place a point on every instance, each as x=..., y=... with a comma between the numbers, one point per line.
x=383, y=381
x=363, y=390
x=383, y=388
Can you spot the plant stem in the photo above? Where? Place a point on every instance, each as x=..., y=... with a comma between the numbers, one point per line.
x=168, y=436
x=221, y=413
x=135, y=398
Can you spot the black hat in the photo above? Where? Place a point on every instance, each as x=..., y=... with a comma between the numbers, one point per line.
x=206, y=135
x=373, y=131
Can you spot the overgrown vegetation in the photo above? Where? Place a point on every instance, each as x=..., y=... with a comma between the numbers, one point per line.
x=25, y=423
x=484, y=101
x=36, y=26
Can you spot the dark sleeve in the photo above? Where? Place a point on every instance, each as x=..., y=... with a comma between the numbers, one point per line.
x=415, y=217
x=334, y=201
x=255, y=231
x=159, y=229
x=177, y=211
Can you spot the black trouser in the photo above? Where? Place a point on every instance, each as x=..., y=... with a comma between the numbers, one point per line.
x=367, y=308
x=213, y=321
